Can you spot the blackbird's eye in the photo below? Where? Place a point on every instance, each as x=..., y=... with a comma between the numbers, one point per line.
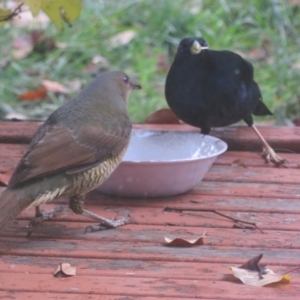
x=126, y=79
x=180, y=48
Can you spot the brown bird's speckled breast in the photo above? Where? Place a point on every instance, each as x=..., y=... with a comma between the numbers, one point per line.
x=88, y=180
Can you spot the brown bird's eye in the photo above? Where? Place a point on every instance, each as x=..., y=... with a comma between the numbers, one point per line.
x=125, y=79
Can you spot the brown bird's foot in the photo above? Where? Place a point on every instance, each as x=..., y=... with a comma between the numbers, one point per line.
x=104, y=223
x=270, y=156
x=41, y=216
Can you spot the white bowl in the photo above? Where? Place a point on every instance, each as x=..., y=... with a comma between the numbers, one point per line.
x=163, y=163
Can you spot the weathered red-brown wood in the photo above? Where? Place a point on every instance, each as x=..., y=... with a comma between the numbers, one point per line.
x=133, y=262
x=242, y=138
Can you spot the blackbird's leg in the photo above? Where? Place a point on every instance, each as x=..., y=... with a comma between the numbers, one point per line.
x=205, y=130
x=41, y=216
x=76, y=204
x=268, y=153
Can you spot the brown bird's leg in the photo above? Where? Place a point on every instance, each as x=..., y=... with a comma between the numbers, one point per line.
x=268, y=153
x=76, y=204
x=41, y=216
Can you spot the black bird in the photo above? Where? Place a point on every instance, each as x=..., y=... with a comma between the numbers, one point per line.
x=207, y=88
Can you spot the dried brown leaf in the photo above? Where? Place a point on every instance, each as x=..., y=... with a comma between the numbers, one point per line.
x=250, y=273
x=240, y=163
x=64, y=270
x=180, y=242
x=34, y=94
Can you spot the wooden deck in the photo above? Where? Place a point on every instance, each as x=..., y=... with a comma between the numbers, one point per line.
x=133, y=262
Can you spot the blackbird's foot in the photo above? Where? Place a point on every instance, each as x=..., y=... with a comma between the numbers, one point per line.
x=104, y=223
x=41, y=216
x=270, y=156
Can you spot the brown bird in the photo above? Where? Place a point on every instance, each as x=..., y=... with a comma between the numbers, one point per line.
x=73, y=152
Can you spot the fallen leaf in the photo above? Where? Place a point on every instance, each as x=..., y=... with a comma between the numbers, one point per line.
x=239, y=162
x=180, y=242
x=5, y=177
x=34, y=94
x=98, y=59
x=122, y=38
x=163, y=116
x=55, y=87
x=22, y=47
x=257, y=54
x=41, y=42
x=15, y=116
x=250, y=273
x=163, y=64
x=64, y=270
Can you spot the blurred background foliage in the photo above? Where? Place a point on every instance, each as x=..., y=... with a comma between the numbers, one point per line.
x=141, y=37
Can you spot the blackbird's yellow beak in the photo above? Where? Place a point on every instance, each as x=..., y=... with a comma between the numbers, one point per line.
x=196, y=47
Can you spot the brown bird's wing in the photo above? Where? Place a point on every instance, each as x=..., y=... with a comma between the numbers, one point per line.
x=57, y=148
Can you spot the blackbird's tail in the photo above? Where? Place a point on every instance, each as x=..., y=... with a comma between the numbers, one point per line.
x=261, y=109
x=11, y=205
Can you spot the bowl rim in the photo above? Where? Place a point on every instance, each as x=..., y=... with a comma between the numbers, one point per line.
x=183, y=160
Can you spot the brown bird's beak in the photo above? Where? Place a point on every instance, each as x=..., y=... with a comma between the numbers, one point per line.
x=196, y=47
x=134, y=84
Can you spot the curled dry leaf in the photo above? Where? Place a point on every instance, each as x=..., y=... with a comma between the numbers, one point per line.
x=64, y=270
x=163, y=116
x=250, y=273
x=179, y=242
x=34, y=94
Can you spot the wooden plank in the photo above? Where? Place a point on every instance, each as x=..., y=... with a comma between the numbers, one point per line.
x=238, y=137
x=253, y=159
x=152, y=287
x=229, y=158
x=252, y=175
x=289, y=191
x=243, y=138
x=18, y=132
x=102, y=249
x=35, y=295
x=155, y=234
x=157, y=216
x=123, y=268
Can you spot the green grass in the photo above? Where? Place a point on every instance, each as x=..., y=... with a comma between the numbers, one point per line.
x=268, y=27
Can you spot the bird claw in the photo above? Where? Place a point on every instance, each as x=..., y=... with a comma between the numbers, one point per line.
x=108, y=224
x=44, y=216
x=270, y=156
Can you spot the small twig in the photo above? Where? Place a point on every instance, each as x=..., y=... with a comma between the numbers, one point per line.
x=215, y=212
x=293, y=270
x=12, y=14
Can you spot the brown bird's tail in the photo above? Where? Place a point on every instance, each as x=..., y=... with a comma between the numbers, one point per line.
x=10, y=206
